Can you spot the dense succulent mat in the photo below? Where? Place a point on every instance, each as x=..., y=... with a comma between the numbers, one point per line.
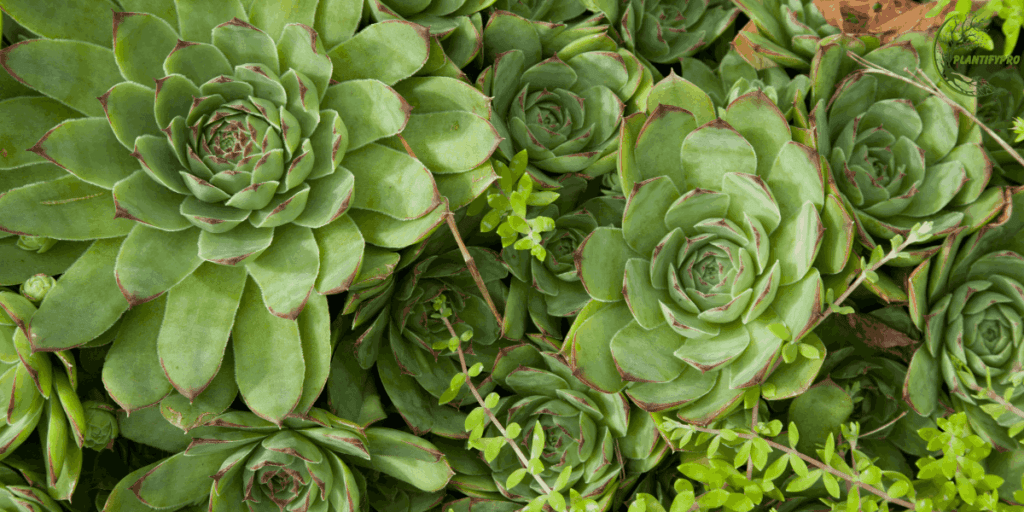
x=491, y=256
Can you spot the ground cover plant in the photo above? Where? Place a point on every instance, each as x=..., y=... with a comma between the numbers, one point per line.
x=492, y=256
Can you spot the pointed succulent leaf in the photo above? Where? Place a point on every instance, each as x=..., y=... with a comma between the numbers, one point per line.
x=43, y=65
x=402, y=47
x=196, y=325
x=287, y=270
x=141, y=42
x=269, y=350
x=75, y=210
x=131, y=371
x=377, y=109
x=139, y=280
x=93, y=272
x=25, y=120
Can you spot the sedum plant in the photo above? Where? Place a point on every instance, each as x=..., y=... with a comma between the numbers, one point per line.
x=727, y=229
x=245, y=174
x=242, y=462
x=559, y=92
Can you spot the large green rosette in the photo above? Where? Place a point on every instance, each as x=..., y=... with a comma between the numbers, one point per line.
x=560, y=92
x=900, y=156
x=239, y=462
x=728, y=226
x=242, y=181
x=607, y=441
x=968, y=302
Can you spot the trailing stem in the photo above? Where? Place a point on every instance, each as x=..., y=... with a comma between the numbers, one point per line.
x=926, y=84
x=480, y=400
x=814, y=462
x=471, y=264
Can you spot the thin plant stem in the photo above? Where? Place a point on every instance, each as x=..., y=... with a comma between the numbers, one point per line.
x=480, y=400
x=753, y=427
x=930, y=87
x=992, y=395
x=860, y=279
x=816, y=463
x=471, y=264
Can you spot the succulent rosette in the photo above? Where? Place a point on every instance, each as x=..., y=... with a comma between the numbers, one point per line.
x=787, y=33
x=600, y=435
x=735, y=77
x=393, y=328
x=101, y=425
x=900, y=156
x=559, y=92
x=968, y=302
x=666, y=31
x=39, y=390
x=728, y=226
x=242, y=179
x=308, y=464
x=456, y=25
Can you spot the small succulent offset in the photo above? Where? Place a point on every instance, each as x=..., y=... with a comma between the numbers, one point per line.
x=667, y=31
x=900, y=156
x=968, y=302
x=456, y=25
x=559, y=92
x=237, y=177
x=728, y=226
x=544, y=290
x=735, y=77
x=257, y=465
x=36, y=287
x=788, y=31
x=100, y=425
